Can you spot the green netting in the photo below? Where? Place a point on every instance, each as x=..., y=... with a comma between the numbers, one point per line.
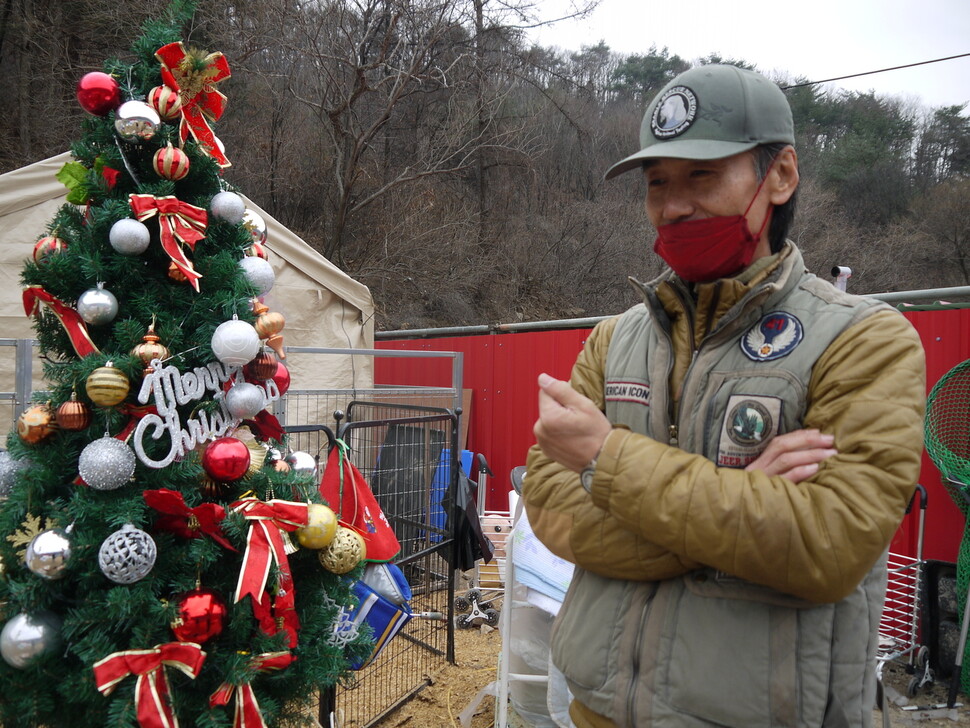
x=947, y=432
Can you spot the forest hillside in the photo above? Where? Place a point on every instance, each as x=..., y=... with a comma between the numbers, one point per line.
x=432, y=152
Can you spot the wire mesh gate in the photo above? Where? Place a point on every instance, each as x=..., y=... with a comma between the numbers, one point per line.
x=404, y=453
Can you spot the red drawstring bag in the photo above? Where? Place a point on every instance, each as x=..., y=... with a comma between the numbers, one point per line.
x=345, y=490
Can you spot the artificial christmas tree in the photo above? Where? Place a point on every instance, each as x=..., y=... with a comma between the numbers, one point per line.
x=149, y=567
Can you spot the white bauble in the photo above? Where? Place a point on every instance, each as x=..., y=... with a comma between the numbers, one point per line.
x=235, y=343
x=258, y=272
x=129, y=237
x=228, y=207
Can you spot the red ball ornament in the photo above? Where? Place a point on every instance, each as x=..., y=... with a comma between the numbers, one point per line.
x=98, y=93
x=282, y=378
x=171, y=163
x=257, y=250
x=166, y=101
x=47, y=246
x=202, y=615
x=226, y=459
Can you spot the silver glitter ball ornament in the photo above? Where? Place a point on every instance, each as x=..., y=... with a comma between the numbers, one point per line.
x=129, y=237
x=256, y=226
x=258, y=272
x=106, y=464
x=228, y=207
x=302, y=462
x=9, y=467
x=127, y=555
x=48, y=553
x=235, y=342
x=28, y=636
x=136, y=121
x=244, y=400
x=97, y=306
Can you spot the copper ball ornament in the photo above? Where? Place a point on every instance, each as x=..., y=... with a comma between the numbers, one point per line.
x=150, y=349
x=201, y=616
x=73, y=415
x=107, y=386
x=36, y=423
x=261, y=368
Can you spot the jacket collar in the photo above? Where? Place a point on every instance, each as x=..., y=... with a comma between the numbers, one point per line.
x=728, y=300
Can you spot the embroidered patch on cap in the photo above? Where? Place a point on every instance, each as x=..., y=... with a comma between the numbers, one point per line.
x=750, y=422
x=675, y=112
x=628, y=392
x=773, y=337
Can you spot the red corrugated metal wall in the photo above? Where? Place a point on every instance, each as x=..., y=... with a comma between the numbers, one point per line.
x=501, y=370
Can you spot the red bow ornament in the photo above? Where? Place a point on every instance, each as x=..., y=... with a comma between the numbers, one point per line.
x=77, y=330
x=187, y=522
x=178, y=222
x=151, y=689
x=194, y=74
x=247, y=712
x=265, y=544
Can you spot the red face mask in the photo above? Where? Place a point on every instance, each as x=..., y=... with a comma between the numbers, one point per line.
x=711, y=247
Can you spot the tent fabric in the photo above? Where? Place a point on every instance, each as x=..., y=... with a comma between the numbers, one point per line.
x=322, y=305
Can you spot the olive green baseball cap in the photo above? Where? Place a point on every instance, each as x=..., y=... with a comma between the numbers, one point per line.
x=711, y=112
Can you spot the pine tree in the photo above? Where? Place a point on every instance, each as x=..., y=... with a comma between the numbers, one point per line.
x=114, y=542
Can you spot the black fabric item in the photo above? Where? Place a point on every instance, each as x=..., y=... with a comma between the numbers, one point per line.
x=471, y=543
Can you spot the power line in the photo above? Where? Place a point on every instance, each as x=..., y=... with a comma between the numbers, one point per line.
x=869, y=73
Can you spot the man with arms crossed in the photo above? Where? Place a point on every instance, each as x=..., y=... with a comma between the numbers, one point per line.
x=731, y=458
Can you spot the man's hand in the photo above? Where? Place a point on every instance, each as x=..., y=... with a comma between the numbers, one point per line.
x=795, y=455
x=570, y=429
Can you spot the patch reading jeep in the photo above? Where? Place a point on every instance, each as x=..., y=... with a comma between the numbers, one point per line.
x=750, y=422
x=635, y=392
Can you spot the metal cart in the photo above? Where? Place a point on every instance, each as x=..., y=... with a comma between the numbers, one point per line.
x=899, y=636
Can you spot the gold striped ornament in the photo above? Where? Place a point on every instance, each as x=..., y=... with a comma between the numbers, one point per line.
x=107, y=386
x=171, y=163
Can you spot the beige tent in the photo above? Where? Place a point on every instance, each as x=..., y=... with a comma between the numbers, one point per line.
x=322, y=305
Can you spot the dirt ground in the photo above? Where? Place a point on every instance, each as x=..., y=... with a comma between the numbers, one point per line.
x=454, y=687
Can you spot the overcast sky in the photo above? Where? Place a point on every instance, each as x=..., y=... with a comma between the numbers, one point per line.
x=817, y=39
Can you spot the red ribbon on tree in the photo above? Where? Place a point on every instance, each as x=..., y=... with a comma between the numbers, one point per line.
x=247, y=712
x=178, y=222
x=265, y=544
x=194, y=74
x=265, y=426
x=187, y=522
x=77, y=330
x=151, y=689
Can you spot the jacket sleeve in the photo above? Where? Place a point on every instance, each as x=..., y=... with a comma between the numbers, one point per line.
x=816, y=539
x=563, y=514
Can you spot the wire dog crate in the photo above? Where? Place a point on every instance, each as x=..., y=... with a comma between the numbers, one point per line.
x=899, y=636
x=404, y=453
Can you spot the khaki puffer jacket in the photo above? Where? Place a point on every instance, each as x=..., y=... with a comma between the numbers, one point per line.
x=657, y=512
